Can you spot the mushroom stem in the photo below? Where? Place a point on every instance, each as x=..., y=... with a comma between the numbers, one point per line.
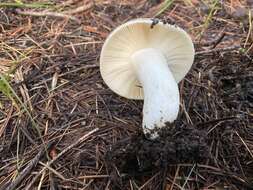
x=161, y=94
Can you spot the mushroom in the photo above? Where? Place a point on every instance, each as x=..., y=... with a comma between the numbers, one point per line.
x=146, y=58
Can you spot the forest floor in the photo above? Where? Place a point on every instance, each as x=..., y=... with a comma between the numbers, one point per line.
x=61, y=127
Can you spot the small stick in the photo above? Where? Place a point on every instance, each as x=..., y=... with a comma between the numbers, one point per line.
x=148, y=181
x=67, y=3
x=28, y=169
x=60, y=155
x=236, y=47
x=48, y=14
x=216, y=121
x=23, y=5
x=93, y=177
x=80, y=9
x=219, y=39
x=213, y=42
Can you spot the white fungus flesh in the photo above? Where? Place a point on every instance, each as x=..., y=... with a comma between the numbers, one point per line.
x=145, y=60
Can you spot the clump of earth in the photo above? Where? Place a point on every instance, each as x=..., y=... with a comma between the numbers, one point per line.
x=138, y=155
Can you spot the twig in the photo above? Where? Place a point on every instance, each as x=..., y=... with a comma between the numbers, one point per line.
x=148, y=181
x=60, y=155
x=213, y=42
x=246, y=146
x=48, y=14
x=236, y=47
x=164, y=6
x=93, y=177
x=164, y=176
x=28, y=169
x=214, y=121
x=187, y=178
x=66, y=3
x=53, y=171
x=25, y=5
x=80, y=9
x=218, y=40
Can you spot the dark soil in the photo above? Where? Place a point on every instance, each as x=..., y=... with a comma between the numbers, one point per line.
x=137, y=156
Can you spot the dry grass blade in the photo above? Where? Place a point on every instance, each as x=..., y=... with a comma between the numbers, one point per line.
x=217, y=50
x=80, y=140
x=48, y=14
x=53, y=171
x=19, y=4
x=250, y=152
x=80, y=9
x=27, y=170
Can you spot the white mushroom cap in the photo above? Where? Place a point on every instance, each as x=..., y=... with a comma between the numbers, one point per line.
x=115, y=60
